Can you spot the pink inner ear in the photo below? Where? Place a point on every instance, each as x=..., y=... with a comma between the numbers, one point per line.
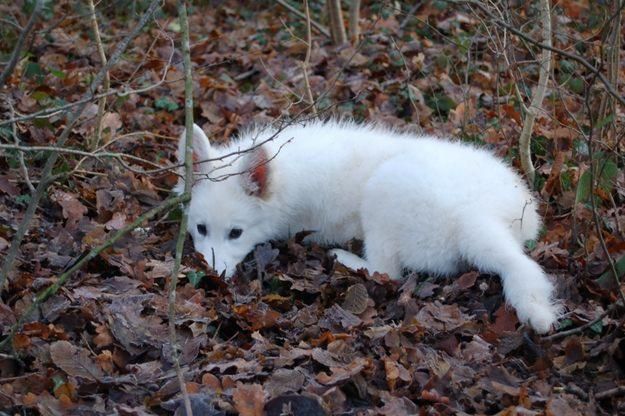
x=258, y=174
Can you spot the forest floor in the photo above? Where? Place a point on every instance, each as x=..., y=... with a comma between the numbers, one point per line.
x=293, y=326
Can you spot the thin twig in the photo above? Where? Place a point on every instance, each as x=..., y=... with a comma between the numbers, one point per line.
x=20, y=155
x=15, y=24
x=296, y=12
x=182, y=232
x=581, y=328
x=107, y=77
x=593, y=203
x=354, y=21
x=415, y=108
x=409, y=15
x=8, y=70
x=337, y=26
x=52, y=289
x=95, y=155
x=72, y=119
x=306, y=63
x=606, y=394
x=611, y=55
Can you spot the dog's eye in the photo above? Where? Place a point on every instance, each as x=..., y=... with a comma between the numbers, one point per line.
x=201, y=228
x=235, y=233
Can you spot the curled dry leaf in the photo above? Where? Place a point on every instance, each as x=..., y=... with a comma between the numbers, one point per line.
x=343, y=373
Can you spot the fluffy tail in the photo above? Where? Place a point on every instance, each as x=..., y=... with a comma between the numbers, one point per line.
x=527, y=288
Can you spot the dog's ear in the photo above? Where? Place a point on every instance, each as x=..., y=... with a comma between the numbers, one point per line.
x=256, y=172
x=201, y=153
x=201, y=148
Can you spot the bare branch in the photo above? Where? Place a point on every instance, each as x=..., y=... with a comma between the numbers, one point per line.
x=182, y=232
x=581, y=328
x=306, y=63
x=20, y=156
x=107, y=77
x=354, y=21
x=95, y=154
x=319, y=27
x=612, y=59
x=410, y=15
x=8, y=70
x=593, y=203
x=535, y=106
x=337, y=27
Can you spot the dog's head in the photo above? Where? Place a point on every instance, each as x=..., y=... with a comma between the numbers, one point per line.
x=226, y=218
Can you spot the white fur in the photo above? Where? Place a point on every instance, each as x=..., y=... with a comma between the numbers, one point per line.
x=419, y=203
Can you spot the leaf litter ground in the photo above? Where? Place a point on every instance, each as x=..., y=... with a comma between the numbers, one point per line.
x=294, y=332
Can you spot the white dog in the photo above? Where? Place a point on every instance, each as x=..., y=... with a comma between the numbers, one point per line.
x=418, y=203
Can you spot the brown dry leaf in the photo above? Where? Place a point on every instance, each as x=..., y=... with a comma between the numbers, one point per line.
x=249, y=399
x=73, y=209
x=378, y=331
x=132, y=329
x=7, y=187
x=325, y=357
x=433, y=396
x=466, y=281
x=75, y=361
x=284, y=380
x=105, y=360
x=356, y=299
x=212, y=382
x=477, y=350
x=505, y=320
x=562, y=406
x=574, y=351
x=117, y=222
x=438, y=317
x=21, y=341
x=258, y=315
x=336, y=317
x=30, y=399
x=353, y=58
x=395, y=372
x=111, y=122
x=104, y=337
x=396, y=406
x=341, y=374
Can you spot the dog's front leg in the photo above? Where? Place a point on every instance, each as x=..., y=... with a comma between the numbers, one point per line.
x=350, y=260
x=376, y=265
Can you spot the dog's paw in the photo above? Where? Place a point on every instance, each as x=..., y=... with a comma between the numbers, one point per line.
x=349, y=259
x=540, y=313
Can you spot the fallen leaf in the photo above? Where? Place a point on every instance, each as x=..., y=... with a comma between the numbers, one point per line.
x=249, y=399
x=76, y=362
